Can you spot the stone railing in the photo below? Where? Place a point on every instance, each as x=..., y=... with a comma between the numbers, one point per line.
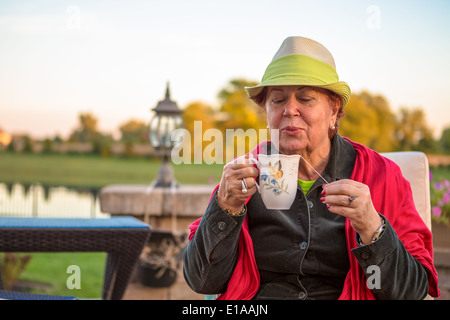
x=163, y=208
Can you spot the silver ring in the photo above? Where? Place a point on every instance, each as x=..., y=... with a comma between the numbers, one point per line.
x=350, y=200
x=244, y=185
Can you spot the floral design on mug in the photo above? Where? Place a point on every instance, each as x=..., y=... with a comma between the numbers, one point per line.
x=271, y=179
x=275, y=170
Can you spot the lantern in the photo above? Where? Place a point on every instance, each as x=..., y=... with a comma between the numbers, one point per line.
x=166, y=120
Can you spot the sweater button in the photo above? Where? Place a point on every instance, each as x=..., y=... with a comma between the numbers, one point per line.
x=303, y=245
x=310, y=204
x=221, y=226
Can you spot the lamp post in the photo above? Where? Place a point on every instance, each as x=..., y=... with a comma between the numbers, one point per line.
x=167, y=118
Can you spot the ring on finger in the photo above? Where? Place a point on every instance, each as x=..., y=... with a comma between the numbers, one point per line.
x=244, y=185
x=350, y=200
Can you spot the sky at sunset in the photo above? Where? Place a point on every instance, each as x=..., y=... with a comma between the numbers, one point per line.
x=113, y=58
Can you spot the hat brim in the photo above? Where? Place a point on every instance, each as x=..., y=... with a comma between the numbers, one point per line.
x=341, y=88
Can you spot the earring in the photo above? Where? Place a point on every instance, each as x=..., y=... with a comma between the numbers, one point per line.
x=333, y=128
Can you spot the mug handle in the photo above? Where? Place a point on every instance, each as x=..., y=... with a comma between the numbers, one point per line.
x=254, y=161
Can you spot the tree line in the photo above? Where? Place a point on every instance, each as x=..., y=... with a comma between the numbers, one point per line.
x=369, y=119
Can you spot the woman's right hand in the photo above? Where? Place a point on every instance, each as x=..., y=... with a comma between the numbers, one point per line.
x=230, y=195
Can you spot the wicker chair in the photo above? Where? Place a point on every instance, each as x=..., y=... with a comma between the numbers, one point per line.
x=123, y=238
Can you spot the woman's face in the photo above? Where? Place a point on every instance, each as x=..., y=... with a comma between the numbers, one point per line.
x=302, y=115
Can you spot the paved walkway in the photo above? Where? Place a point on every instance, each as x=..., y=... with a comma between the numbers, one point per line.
x=179, y=291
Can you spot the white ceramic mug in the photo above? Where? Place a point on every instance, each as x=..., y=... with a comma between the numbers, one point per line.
x=277, y=178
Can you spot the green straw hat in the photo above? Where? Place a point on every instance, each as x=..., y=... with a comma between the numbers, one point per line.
x=305, y=62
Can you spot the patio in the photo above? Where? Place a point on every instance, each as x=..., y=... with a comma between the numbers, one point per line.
x=172, y=210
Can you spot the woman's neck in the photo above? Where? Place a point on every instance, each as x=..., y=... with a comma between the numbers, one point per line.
x=317, y=159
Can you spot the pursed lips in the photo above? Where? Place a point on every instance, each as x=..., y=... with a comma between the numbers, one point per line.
x=291, y=130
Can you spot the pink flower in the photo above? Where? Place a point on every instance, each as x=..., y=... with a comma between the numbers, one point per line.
x=439, y=186
x=446, y=197
x=437, y=211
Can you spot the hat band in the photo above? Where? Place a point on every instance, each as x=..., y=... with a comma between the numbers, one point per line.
x=300, y=65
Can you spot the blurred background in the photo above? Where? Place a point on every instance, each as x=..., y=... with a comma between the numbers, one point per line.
x=79, y=80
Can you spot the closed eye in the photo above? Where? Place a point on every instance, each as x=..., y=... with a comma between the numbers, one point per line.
x=278, y=101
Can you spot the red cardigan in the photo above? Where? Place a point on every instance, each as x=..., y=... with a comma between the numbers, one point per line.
x=391, y=196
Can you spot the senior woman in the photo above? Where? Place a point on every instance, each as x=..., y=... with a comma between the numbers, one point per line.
x=352, y=232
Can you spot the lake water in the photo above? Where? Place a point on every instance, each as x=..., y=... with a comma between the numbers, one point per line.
x=34, y=200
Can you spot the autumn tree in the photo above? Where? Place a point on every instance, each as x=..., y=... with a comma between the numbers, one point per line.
x=385, y=122
x=358, y=121
x=87, y=131
x=413, y=132
x=237, y=111
x=369, y=120
x=197, y=117
x=199, y=111
x=87, y=128
x=133, y=131
x=444, y=141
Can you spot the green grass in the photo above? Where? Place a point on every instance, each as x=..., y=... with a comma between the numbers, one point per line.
x=94, y=171
x=48, y=271
x=86, y=171
x=440, y=173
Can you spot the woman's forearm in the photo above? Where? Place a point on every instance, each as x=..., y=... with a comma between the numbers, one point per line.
x=211, y=255
x=392, y=272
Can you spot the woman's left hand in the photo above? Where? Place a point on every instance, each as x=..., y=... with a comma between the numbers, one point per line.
x=352, y=199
